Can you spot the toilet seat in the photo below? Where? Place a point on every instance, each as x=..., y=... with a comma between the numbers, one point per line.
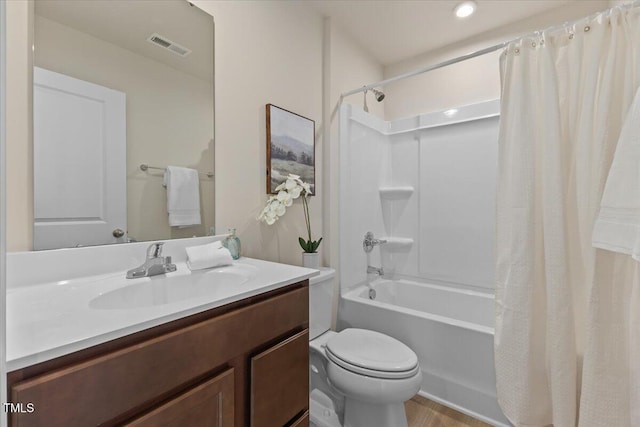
x=372, y=354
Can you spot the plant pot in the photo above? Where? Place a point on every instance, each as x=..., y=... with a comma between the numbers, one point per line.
x=311, y=260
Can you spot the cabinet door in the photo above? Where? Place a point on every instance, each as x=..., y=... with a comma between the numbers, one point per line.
x=208, y=404
x=280, y=382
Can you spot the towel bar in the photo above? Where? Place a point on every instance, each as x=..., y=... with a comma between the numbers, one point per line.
x=145, y=167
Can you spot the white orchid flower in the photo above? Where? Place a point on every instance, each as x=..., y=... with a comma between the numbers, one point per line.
x=307, y=188
x=274, y=206
x=283, y=196
x=271, y=212
x=269, y=220
x=290, y=184
x=263, y=213
x=295, y=192
x=281, y=210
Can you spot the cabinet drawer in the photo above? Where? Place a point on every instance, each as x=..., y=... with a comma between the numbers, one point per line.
x=129, y=380
x=280, y=382
x=209, y=404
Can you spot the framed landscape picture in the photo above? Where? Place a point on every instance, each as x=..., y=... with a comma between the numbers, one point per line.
x=291, y=147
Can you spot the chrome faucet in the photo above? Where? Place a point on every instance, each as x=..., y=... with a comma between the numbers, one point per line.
x=155, y=263
x=378, y=271
x=370, y=242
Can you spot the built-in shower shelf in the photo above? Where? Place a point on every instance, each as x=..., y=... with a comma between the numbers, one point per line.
x=398, y=243
x=396, y=192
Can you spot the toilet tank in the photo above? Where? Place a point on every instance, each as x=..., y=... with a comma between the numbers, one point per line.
x=320, y=302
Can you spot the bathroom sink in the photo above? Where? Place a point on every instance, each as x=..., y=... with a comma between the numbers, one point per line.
x=171, y=288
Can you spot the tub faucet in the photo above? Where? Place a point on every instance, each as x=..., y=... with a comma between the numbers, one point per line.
x=154, y=264
x=378, y=271
x=370, y=242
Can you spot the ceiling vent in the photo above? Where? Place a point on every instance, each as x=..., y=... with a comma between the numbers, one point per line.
x=165, y=43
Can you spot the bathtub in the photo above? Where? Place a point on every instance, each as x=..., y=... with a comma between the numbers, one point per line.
x=451, y=331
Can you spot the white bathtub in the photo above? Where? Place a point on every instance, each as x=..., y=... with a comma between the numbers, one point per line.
x=451, y=331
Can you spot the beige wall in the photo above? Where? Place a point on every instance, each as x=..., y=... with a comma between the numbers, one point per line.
x=470, y=81
x=169, y=120
x=266, y=52
x=276, y=52
x=19, y=134
x=3, y=210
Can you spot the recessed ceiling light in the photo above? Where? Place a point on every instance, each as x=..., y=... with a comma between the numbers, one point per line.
x=465, y=9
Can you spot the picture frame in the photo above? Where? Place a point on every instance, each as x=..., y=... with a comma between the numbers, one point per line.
x=291, y=147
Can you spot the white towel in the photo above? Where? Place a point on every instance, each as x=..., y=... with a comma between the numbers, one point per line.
x=617, y=227
x=208, y=256
x=183, y=196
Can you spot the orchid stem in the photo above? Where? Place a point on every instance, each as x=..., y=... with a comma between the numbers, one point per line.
x=306, y=215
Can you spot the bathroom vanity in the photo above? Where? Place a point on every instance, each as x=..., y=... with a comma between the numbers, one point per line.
x=227, y=359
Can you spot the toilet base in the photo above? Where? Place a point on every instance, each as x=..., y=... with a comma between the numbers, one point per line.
x=361, y=414
x=322, y=412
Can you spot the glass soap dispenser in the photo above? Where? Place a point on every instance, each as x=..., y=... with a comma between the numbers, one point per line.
x=232, y=242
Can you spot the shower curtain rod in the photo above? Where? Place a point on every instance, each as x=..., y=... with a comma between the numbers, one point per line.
x=424, y=70
x=481, y=52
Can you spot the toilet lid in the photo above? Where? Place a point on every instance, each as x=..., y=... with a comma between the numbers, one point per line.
x=372, y=353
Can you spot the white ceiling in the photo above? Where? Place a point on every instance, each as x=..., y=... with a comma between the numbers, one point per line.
x=128, y=24
x=392, y=31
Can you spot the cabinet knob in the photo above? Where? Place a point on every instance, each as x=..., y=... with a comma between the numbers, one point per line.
x=118, y=232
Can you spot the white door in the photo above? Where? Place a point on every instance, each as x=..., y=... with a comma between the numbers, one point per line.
x=79, y=162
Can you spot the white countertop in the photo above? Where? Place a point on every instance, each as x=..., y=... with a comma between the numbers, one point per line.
x=51, y=319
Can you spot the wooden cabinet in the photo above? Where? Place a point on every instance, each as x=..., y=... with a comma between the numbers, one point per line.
x=236, y=365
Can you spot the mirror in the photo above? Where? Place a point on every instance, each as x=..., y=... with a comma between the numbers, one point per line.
x=117, y=85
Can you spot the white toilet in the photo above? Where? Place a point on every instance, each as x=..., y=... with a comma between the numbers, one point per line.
x=357, y=376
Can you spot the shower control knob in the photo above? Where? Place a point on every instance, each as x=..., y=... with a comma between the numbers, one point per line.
x=118, y=232
x=370, y=242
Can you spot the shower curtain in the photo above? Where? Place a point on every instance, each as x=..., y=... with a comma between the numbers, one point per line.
x=567, y=335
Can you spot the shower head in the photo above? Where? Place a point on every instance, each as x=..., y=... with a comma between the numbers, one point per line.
x=379, y=94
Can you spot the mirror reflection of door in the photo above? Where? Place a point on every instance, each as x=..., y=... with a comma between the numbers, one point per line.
x=79, y=142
